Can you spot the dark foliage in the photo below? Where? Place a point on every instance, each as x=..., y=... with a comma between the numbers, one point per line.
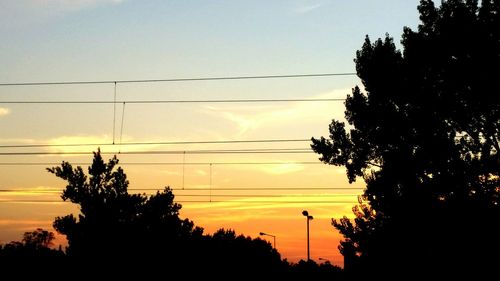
x=30, y=256
x=122, y=234
x=114, y=224
x=424, y=134
x=118, y=235
x=310, y=270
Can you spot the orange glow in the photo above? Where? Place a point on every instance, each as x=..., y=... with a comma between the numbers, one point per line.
x=259, y=210
x=229, y=191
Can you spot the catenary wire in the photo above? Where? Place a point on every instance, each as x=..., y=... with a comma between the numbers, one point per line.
x=252, y=195
x=172, y=101
x=200, y=189
x=166, y=163
x=207, y=201
x=208, y=151
x=178, y=79
x=156, y=143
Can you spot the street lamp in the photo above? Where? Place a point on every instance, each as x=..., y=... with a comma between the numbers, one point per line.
x=274, y=238
x=308, y=218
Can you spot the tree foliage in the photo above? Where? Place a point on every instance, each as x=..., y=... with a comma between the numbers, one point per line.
x=31, y=255
x=114, y=223
x=424, y=134
x=116, y=228
x=38, y=238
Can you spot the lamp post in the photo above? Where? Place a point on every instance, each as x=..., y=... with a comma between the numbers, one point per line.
x=308, y=218
x=273, y=236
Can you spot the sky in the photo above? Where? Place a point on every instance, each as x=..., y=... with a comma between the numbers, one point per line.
x=114, y=40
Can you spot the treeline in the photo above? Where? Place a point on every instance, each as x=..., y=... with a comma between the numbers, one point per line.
x=121, y=235
x=223, y=255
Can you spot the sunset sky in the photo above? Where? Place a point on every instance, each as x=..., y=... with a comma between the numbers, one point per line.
x=113, y=40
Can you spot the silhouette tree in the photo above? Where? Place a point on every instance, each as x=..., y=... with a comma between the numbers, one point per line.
x=227, y=252
x=38, y=238
x=114, y=225
x=32, y=253
x=310, y=270
x=424, y=135
x=117, y=228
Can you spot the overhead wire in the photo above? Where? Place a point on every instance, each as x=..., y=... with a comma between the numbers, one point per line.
x=172, y=101
x=178, y=79
x=261, y=195
x=207, y=201
x=155, y=143
x=166, y=163
x=34, y=190
x=206, y=151
x=115, y=82
x=210, y=196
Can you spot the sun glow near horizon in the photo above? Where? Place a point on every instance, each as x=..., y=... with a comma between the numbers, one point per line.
x=110, y=40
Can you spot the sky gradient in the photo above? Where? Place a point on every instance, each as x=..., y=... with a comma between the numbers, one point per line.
x=62, y=40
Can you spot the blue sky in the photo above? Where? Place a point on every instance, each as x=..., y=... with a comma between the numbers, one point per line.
x=105, y=39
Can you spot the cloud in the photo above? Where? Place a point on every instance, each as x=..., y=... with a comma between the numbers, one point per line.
x=273, y=203
x=4, y=111
x=75, y=143
x=73, y=4
x=201, y=172
x=50, y=8
x=281, y=169
x=249, y=118
x=170, y=173
x=307, y=9
x=10, y=222
x=22, y=13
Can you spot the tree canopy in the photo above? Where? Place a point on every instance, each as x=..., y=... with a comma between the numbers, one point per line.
x=116, y=228
x=112, y=221
x=30, y=256
x=423, y=132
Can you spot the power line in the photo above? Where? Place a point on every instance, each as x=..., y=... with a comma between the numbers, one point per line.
x=259, y=188
x=218, y=195
x=201, y=189
x=264, y=195
x=156, y=143
x=220, y=151
x=173, y=101
x=165, y=163
x=177, y=79
x=207, y=201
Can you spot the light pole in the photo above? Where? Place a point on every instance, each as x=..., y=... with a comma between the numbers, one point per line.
x=308, y=218
x=273, y=236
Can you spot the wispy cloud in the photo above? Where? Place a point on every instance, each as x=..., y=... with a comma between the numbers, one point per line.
x=4, y=111
x=307, y=8
x=282, y=202
x=252, y=118
x=17, y=13
x=91, y=143
x=201, y=172
x=74, y=4
x=281, y=169
x=10, y=222
x=170, y=173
